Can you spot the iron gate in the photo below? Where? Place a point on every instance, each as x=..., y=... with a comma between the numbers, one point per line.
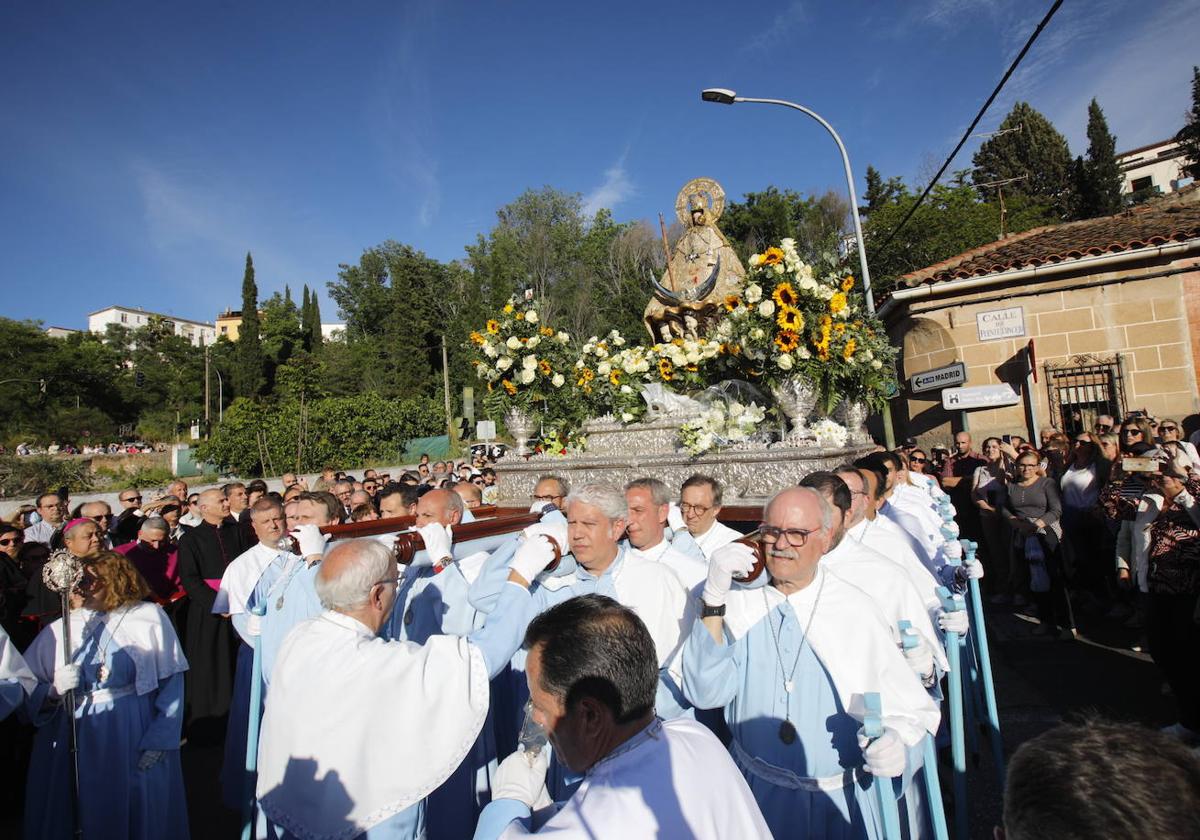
x=1082, y=388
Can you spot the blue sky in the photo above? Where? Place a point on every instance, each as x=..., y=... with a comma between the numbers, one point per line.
x=146, y=146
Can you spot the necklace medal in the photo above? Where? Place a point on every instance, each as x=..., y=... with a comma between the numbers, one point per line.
x=102, y=674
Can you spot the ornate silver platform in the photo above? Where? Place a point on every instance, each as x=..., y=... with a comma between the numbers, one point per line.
x=749, y=472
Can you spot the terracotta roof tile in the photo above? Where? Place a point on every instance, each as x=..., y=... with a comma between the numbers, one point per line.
x=1173, y=218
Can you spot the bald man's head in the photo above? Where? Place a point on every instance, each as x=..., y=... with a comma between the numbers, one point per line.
x=444, y=507
x=214, y=507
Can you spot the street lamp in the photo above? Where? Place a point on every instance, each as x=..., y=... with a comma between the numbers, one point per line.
x=724, y=96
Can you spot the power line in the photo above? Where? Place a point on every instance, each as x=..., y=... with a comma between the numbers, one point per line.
x=971, y=127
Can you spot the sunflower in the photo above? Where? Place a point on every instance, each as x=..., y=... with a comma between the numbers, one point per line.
x=508, y=386
x=785, y=295
x=585, y=376
x=666, y=370
x=848, y=283
x=614, y=378
x=520, y=316
x=837, y=303
x=823, y=352
x=848, y=352
x=787, y=341
x=790, y=318
x=826, y=322
x=544, y=367
x=839, y=328
x=772, y=256
x=508, y=308
x=732, y=302
x=476, y=338
x=730, y=349
x=493, y=327
x=546, y=332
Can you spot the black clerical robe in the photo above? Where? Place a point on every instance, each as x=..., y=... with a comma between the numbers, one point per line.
x=210, y=642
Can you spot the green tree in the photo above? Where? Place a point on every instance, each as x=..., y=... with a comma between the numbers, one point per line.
x=1100, y=178
x=248, y=373
x=1188, y=137
x=1029, y=147
x=316, y=337
x=880, y=192
x=766, y=217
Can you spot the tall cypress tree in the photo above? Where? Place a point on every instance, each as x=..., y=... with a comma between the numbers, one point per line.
x=248, y=369
x=1100, y=188
x=305, y=319
x=1029, y=147
x=314, y=320
x=1189, y=136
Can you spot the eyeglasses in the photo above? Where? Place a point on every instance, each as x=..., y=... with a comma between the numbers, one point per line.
x=1168, y=428
x=699, y=510
x=545, y=498
x=796, y=537
x=1131, y=431
x=100, y=517
x=132, y=499
x=1083, y=443
x=13, y=541
x=918, y=460
x=1103, y=427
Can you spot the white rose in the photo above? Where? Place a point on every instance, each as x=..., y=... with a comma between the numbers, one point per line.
x=562, y=337
x=625, y=389
x=626, y=417
x=489, y=350
x=804, y=353
x=534, y=341
x=513, y=343
x=755, y=260
x=753, y=293
x=529, y=362
x=531, y=316
x=876, y=365
x=868, y=355
x=604, y=368
x=757, y=334
x=778, y=268
x=504, y=363
x=525, y=376
x=558, y=380
x=766, y=308
x=784, y=361
x=693, y=357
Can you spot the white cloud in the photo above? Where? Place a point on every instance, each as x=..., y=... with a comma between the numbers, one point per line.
x=780, y=27
x=616, y=188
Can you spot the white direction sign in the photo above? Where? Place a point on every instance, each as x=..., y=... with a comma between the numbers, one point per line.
x=979, y=396
x=942, y=377
x=1001, y=323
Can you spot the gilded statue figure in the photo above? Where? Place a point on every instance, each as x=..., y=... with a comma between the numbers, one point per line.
x=701, y=272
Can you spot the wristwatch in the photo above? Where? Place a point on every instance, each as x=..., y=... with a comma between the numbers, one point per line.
x=707, y=611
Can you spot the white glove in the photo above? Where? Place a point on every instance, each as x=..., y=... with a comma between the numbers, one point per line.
x=675, y=517
x=67, y=679
x=953, y=622
x=920, y=659
x=522, y=776
x=437, y=539
x=885, y=756
x=253, y=624
x=728, y=560
x=149, y=758
x=556, y=530
x=531, y=559
x=974, y=570
x=311, y=540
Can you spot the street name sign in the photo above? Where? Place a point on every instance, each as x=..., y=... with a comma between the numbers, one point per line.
x=942, y=377
x=997, y=324
x=979, y=396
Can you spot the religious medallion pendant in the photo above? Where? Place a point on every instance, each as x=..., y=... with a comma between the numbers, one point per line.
x=787, y=732
x=102, y=674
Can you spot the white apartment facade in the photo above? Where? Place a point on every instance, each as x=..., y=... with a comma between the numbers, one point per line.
x=199, y=333
x=1158, y=166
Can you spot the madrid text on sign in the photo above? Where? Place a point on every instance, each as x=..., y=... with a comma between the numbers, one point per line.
x=1001, y=323
x=943, y=377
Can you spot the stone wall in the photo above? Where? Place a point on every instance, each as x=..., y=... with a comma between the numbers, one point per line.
x=1154, y=324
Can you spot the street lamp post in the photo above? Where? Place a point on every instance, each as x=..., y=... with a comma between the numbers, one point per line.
x=724, y=96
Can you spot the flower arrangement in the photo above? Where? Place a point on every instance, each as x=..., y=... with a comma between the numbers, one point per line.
x=524, y=362
x=608, y=377
x=830, y=434
x=721, y=423
x=556, y=445
x=788, y=321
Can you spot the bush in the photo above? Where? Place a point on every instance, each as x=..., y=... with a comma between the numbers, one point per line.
x=257, y=439
x=27, y=476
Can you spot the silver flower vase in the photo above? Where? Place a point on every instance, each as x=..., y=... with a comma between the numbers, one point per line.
x=853, y=415
x=795, y=399
x=520, y=424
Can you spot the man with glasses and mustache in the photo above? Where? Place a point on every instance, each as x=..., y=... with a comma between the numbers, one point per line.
x=789, y=661
x=129, y=520
x=700, y=502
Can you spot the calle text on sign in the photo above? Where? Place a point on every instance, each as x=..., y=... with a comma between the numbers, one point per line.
x=979, y=396
x=998, y=324
x=942, y=377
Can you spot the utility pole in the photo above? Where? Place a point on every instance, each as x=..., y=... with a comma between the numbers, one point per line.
x=446, y=392
x=206, y=390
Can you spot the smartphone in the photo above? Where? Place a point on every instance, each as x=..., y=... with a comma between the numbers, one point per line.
x=1006, y=438
x=1140, y=465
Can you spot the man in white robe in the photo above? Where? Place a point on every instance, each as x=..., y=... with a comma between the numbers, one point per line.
x=643, y=777
x=790, y=662
x=700, y=501
x=649, y=500
x=358, y=729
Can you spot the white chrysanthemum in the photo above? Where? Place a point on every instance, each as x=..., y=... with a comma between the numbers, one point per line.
x=531, y=316
x=766, y=308
x=753, y=293
x=626, y=417
x=625, y=389
x=785, y=361
x=757, y=334
x=525, y=377
x=604, y=368
x=804, y=353
x=489, y=350
x=868, y=355
x=529, y=362
x=504, y=363
x=533, y=341
x=778, y=268
x=756, y=260
x=513, y=343
x=562, y=337
x=557, y=380
x=876, y=365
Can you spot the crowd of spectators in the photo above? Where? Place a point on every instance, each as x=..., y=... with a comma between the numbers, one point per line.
x=114, y=448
